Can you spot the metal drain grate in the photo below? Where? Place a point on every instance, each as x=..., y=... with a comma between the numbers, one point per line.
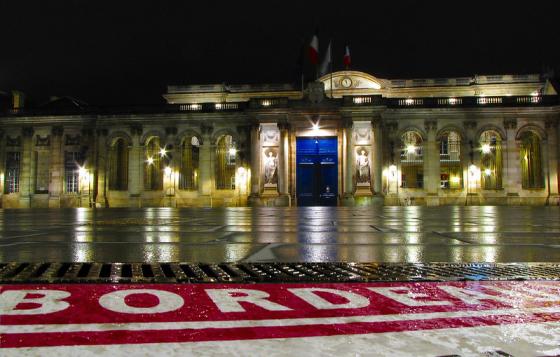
x=269, y=272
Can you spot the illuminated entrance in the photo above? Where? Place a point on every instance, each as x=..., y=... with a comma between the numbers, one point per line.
x=317, y=171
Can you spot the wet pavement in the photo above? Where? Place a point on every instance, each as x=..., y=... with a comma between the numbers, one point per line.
x=118, y=316
x=315, y=234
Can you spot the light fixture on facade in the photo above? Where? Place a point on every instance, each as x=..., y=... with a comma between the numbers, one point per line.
x=487, y=172
x=82, y=172
x=455, y=179
x=473, y=170
x=486, y=148
x=452, y=101
x=411, y=149
x=232, y=151
x=162, y=152
x=393, y=170
x=409, y=101
x=315, y=126
x=167, y=171
x=150, y=161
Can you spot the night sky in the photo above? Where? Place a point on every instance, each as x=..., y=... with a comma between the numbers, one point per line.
x=126, y=52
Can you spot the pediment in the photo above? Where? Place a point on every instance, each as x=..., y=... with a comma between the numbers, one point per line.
x=352, y=81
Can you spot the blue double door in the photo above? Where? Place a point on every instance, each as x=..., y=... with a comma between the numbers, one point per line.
x=317, y=171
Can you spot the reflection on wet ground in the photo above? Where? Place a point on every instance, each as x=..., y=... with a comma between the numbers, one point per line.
x=326, y=234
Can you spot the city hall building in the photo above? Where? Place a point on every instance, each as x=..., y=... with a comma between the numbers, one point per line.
x=347, y=139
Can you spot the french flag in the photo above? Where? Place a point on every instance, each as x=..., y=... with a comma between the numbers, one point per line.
x=347, y=60
x=314, y=50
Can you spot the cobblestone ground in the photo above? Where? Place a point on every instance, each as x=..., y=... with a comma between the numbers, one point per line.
x=316, y=234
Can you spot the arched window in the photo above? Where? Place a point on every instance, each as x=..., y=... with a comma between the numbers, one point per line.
x=225, y=163
x=188, y=176
x=118, y=166
x=451, y=172
x=153, y=165
x=491, y=160
x=531, y=165
x=412, y=164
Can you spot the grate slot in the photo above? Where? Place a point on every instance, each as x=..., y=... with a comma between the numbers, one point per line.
x=105, y=271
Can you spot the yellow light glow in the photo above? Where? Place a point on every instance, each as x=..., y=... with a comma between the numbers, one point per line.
x=473, y=170
x=315, y=126
x=488, y=172
x=162, y=152
x=82, y=172
x=150, y=160
x=411, y=149
x=455, y=179
x=452, y=101
x=393, y=170
x=232, y=151
x=409, y=101
x=167, y=170
x=486, y=148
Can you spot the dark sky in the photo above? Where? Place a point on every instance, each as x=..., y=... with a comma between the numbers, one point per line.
x=126, y=52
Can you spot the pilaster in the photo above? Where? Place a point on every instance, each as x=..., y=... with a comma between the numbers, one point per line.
x=431, y=164
x=206, y=165
x=283, y=165
x=512, y=169
x=377, y=156
x=56, y=169
x=255, y=162
x=136, y=167
x=100, y=171
x=348, y=163
x=25, y=184
x=552, y=148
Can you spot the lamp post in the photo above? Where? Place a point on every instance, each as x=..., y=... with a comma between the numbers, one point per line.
x=84, y=180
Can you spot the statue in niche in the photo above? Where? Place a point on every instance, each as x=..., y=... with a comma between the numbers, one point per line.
x=362, y=167
x=270, y=166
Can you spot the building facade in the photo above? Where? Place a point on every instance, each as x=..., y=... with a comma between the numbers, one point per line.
x=347, y=139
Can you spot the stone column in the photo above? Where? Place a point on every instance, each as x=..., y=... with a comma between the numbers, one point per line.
x=205, y=166
x=25, y=180
x=377, y=157
x=348, y=163
x=283, y=165
x=552, y=148
x=255, y=164
x=512, y=165
x=136, y=168
x=56, y=168
x=100, y=170
x=431, y=164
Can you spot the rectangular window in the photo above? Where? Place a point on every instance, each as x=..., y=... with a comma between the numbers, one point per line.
x=72, y=162
x=13, y=160
x=41, y=172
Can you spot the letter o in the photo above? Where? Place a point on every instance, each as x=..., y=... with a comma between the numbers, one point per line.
x=115, y=301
